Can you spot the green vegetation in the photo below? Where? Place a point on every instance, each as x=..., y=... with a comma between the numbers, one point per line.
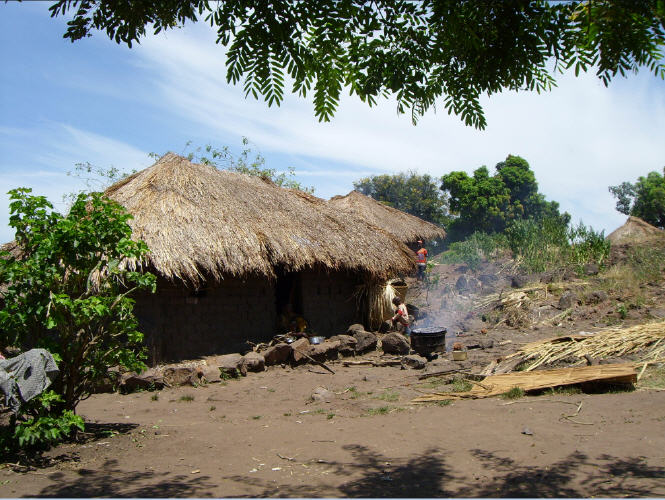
x=69, y=288
x=187, y=398
x=247, y=162
x=390, y=396
x=420, y=53
x=488, y=204
x=256, y=417
x=644, y=199
x=382, y=410
x=445, y=402
x=154, y=397
x=475, y=249
x=461, y=385
x=330, y=416
x=45, y=426
x=513, y=393
x=414, y=194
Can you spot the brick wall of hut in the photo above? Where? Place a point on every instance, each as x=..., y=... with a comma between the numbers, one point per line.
x=179, y=323
x=328, y=302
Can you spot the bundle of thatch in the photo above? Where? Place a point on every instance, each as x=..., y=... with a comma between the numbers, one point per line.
x=202, y=222
x=634, y=230
x=408, y=228
x=647, y=341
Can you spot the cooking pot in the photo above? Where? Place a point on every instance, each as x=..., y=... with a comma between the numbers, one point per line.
x=425, y=341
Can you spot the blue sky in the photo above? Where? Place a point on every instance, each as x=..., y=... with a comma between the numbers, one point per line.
x=95, y=101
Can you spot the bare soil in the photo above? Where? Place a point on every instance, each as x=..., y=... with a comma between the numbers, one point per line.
x=262, y=435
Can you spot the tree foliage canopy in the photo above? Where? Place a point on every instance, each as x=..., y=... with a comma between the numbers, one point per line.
x=68, y=289
x=414, y=194
x=424, y=53
x=488, y=203
x=644, y=199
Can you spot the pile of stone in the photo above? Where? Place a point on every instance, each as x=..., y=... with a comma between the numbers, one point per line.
x=216, y=368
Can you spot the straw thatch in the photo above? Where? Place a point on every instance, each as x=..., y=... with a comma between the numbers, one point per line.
x=408, y=228
x=634, y=230
x=199, y=221
x=496, y=385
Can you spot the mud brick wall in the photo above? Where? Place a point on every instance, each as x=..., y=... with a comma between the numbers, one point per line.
x=180, y=324
x=328, y=302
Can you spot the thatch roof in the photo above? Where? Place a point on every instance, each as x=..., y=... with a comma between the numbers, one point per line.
x=199, y=221
x=408, y=228
x=635, y=229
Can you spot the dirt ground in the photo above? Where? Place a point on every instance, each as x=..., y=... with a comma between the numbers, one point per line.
x=262, y=435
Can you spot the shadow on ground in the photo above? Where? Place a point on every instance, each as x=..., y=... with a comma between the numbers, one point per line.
x=428, y=475
x=110, y=481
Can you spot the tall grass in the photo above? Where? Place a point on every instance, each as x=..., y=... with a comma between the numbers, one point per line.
x=538, y=245
x=548, y=244
x=476, y=248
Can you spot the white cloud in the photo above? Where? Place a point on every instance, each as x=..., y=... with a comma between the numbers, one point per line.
x=54, y=149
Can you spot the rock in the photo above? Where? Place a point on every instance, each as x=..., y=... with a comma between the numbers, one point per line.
x=323, y=352
x=487, y=279
x=461, y=284
x=230, y=365
x=277, y=354
x=467, y=283
x=347, y=344
x=527, y=432
x=356, y=327
x=299, y=347
x=591, y=269
x=321, y=394
x=414, y=361
x=519, y=281
x=365, y=341
x=209, y=374
x=596, y=297
x=385, y=326
x=181, y=375
x=567, y=300
x=254, y=362
x=395, y=343
x=486, y=343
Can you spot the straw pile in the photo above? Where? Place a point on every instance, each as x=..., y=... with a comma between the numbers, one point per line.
x=379, y=296
x=496, y=385
x=647, y=341
x=406, y=227
x=201, y=222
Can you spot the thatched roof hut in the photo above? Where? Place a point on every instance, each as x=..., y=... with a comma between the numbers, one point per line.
x=408, y=228
x=634, y=230
x=202, y=222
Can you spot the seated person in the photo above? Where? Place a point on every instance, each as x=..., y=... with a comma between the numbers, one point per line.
x=401, y=318
x=292, y=322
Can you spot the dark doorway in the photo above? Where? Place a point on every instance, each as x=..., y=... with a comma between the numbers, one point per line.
x=288, y=290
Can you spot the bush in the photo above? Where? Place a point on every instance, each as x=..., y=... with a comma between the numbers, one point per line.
x=550, y=243
x=68, y=290
x=476, y=248
x=43, y=429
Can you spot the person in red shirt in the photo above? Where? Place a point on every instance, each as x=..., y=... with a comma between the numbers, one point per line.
x=401, y=317
x=421, y=258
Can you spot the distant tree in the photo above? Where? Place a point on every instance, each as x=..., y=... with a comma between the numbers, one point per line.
x=410, y=192
x=488, y=203
x=644, y=199
x=426, y=53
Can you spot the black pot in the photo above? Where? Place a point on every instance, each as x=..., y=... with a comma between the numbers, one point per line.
x=425, y=341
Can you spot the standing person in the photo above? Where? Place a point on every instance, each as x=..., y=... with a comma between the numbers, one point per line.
x=401, y=317
x=421, y=258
